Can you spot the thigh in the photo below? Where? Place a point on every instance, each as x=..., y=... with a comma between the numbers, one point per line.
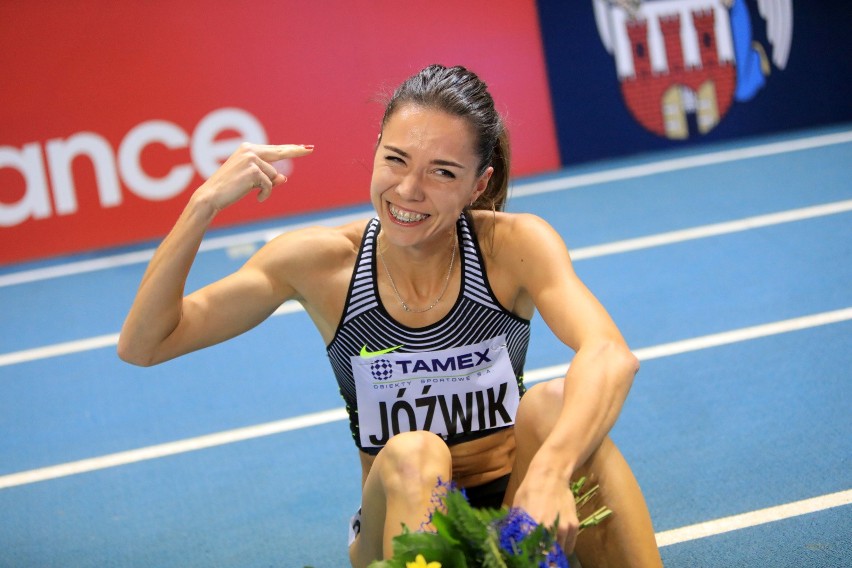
x=627, y=537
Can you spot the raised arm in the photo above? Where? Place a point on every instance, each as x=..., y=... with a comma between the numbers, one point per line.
x=162, y=323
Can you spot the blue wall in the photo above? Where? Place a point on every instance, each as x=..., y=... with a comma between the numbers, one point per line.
x=593, y=122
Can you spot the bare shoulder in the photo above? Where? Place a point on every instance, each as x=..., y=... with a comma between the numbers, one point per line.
x=316, y=243
x=303, y=258
x=514, y=237
x=521, y=252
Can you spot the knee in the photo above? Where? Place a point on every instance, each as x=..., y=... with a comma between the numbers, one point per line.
x=416, y=456
x=539, y=409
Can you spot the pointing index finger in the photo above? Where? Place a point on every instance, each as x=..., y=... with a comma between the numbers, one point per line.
x=272, y=153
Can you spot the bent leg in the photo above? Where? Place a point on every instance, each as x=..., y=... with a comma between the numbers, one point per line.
x=398, y=491
x=626, y=539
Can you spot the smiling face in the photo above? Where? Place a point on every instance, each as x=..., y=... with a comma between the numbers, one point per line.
x=424, y=174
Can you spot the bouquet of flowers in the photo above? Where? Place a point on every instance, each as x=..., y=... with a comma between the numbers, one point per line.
x=465, y=537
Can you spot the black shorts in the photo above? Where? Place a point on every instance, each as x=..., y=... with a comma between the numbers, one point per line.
x=488, y=495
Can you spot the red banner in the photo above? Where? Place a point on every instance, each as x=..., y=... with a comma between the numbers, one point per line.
x=113, y=113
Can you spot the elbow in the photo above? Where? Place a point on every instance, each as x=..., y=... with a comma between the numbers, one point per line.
x=630, y=362
x=628, y=366
x=623, y=364
x=128, y=354
x=633, y=368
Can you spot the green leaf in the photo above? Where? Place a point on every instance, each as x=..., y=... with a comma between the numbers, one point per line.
x=461, y=525
x=393, y=563
x=445, y=527
x=493, y=556
x=432, y=546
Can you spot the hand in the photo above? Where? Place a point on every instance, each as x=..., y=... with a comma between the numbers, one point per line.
x=545, y=495
x=250, y=167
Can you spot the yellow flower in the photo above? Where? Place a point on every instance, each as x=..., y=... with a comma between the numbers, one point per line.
x=420, y=562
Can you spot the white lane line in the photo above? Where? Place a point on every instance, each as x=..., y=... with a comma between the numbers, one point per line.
x=58, y=349
x=142, y=256
x=580, y=253
x=172, y=448
x=519, y=189
x=712, y=340
x=754, y=518
x=98, y=342
x=713, y=230
x=338, y=414
x=675, y=164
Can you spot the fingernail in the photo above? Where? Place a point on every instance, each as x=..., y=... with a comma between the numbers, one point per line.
x=308, y=146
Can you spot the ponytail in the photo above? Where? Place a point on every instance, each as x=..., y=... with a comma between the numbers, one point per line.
x=497, y=192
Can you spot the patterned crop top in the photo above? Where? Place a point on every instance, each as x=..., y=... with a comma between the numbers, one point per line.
x=461, y=377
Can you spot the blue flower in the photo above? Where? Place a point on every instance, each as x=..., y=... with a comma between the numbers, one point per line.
x=516, y=526
x=513, y=528
x=555, y=558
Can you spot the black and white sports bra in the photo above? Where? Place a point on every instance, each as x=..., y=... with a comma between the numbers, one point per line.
x=461, y=377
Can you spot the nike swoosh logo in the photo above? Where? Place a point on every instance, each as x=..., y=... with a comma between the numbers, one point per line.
x=367, y=354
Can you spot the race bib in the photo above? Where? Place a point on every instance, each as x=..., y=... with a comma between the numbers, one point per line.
x=454, y=391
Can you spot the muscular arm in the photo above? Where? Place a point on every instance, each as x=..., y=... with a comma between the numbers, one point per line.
x=597, y=382
x=161, y=323
x=602, y=371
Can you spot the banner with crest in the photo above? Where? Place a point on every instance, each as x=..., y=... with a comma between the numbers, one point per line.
x=629, y=76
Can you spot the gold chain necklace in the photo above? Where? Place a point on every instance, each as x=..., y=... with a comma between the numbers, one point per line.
x=405, y=306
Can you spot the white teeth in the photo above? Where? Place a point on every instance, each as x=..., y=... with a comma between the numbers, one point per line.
x=406, y=216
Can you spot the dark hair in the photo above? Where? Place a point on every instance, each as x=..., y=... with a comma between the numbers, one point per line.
x=459, y=92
